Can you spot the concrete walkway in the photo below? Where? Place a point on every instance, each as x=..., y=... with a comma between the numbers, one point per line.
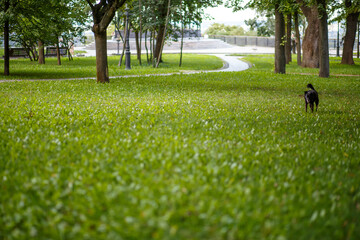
x=196, y=46
x=231, y=64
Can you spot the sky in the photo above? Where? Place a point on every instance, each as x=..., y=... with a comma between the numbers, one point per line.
x=225, y=15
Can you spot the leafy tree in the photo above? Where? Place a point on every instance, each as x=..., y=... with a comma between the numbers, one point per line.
x=315, y=42
x=102, y=12
x=271, y=7
x=351, y=11
x=264, y=28
x=155, y=17
x=43, y=22
x=324, y=65
x=222, y=29
x=280, y=59
x=5, y=9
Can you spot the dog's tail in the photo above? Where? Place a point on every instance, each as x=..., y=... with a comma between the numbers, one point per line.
x=310, y=86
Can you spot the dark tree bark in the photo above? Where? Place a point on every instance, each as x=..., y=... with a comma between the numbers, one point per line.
x=297, y=38
x=358, y=42
x=41, y=59
x=140, y=16
x=146, y=47
x=152, y=47
x=324, y=70
x=102, y=72
x=6, y=42
x=351, y=25
x=164, y=34
x=182, y=34
x=138, y=49
x=161, y=32
x=58, y=53
x=288, y=39
x=124, y=44
x=310, y=45
x=159, y=37
x=280, y=63
x=102, y=12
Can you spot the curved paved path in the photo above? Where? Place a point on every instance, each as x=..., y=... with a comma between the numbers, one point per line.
x=231, y=64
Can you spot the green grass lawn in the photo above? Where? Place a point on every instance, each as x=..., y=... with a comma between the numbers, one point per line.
x=265, y=63
x=203, y=156
x=86, y=67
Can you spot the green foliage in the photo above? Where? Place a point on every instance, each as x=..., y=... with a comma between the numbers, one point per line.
x=222, y=29
x=85, y=67
x=204, y=156
x=35, y=20
x=265, y=28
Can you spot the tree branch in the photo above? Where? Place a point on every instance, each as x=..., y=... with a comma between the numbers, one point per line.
x=305, y=9
x=107, y=17
x=120, y=3
x=90, y=4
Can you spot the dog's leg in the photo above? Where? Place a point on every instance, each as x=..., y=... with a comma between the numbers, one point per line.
x=306, y=106
x=312, y=107
x=317, y=103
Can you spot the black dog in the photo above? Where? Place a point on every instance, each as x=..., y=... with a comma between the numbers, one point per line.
x=311, y=97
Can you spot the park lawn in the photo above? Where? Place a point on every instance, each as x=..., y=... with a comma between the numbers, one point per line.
x=203, y=156
x=82, y=67
x=266, y=64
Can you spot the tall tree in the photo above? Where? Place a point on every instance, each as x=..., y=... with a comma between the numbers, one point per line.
x=154, y=14
x=297, y=37
x=41, y=52
x=162, y=10
x=6, y=39
x=311, y=39
x=270, y=6
x=280, y=58
x=140, y=23
x=288, y=38
x=352, y=11
x=182, y=32
x=163, y=37
x=102, y=13
x=324, y=70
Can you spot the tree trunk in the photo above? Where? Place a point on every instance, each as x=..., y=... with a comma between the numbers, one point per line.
x=297, y=38
x=124, y=44
x=164, y=34
x=159, y=37
x=150, y=47
x=146, y=48
x=310, y=45
x=324, y=70
x=288, y=39
x=138, y=50
x=182, y=34
x=140, y=16
x=6, y=42
x=358, y=41
x=102, y=72
x=102, y=12
x=41, y=52
x=351, y=25
x=280, y=64
x=161, y=32
x=58, y=53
